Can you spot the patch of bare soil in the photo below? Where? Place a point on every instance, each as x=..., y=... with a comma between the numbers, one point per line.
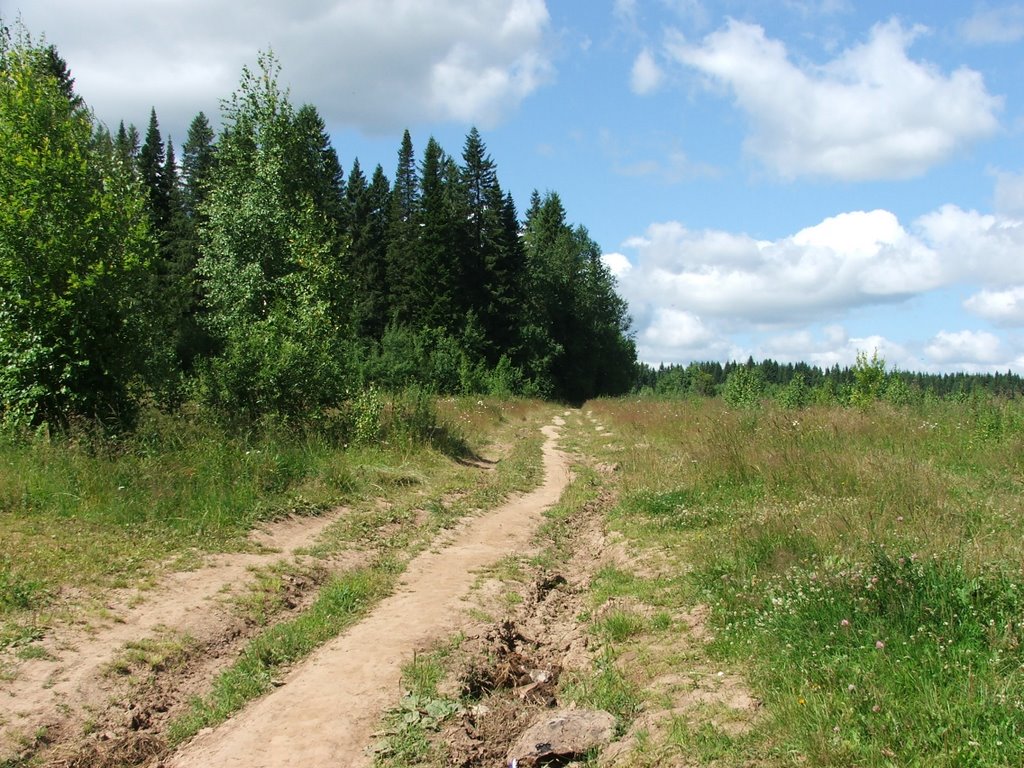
x=511, y=668
x=325, y=712
x=100, y=688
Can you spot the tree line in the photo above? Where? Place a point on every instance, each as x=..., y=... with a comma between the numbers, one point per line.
x=802, y=384
x=253, y=276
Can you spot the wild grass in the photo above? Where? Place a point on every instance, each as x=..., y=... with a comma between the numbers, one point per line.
x=862, y=566
x=85, y=512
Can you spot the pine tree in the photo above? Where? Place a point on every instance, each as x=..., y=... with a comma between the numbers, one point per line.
x=402, y=235
x=127, y=144
x=152, y=162
x=197, y=163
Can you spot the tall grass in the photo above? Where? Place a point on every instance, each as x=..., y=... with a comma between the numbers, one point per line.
x=863, y=565
x=92, y=510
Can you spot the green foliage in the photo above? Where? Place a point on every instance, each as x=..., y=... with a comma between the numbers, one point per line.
x=74, y=244
x=367, y=416
x=869, y=379
x=795, y=394
x=898, y=392
x=271, y=261
x=744, y=387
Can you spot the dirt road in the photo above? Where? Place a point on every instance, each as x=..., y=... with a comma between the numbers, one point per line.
x=326, y=711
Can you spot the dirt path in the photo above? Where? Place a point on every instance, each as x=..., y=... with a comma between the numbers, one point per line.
x=58, y=693
x=325, y=713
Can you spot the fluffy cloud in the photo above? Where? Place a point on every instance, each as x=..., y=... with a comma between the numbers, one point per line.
x=646, y=75
x=981, y=247
x=373, y=64
x=834, y=346
x=675, y=335
x=1004, y=308
x=848, y=260
x=870, y=113
x=617, y=264
x=694, y=292
x=1003, y=24
x=965, y=349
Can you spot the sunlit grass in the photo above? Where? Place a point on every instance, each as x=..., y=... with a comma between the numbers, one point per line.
x=83, y=513
x=863, y=566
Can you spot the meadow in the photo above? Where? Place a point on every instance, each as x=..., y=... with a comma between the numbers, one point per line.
x=862, y=568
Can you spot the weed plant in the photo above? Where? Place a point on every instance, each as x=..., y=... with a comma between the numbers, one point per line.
x=862, y=565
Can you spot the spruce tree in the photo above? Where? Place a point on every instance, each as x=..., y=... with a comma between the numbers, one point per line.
x=480, y=282
x=127, y=145
x=197, y=163
x=402, y=235
x=440, y=227
x=151, y=161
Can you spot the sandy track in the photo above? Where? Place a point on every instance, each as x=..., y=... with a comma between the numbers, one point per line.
x=325, y=713
x=67, y=687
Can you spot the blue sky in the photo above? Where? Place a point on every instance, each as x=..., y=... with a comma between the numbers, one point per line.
x=795, y=179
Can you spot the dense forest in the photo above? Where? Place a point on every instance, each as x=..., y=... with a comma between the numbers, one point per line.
x=802, y=384
x=247, y=273
x=253, y=276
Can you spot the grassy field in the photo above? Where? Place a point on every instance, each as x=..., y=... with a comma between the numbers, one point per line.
x=862, y=568
x=859, y=570
x=83, y=513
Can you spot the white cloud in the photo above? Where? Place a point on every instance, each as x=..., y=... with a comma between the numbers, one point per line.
x=966, y=349
x=646, y=75
x=982, y=247
x=625, y=10
x=691, y=292
x=870, y=113
x=675, y=335
x=854, y=259
x=374, y=64
x=616, y=263
x=1004, y=308
x=1003, y=24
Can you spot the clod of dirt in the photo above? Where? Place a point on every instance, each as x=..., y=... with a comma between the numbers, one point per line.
x=561, y=735
x=510, y=660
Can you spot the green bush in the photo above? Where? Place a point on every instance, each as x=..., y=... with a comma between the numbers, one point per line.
x=744, y=387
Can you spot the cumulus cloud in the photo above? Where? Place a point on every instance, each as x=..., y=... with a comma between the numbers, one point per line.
x=646, y=75
x=616, y=263
x=1003, y=24
x=849, y=260
x=832, y=346
x=869, y=113
x=723, y=285
x=1001, y=307
x=372, y=64
x=982, y=247
x=965, y=349
x=677, y=335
